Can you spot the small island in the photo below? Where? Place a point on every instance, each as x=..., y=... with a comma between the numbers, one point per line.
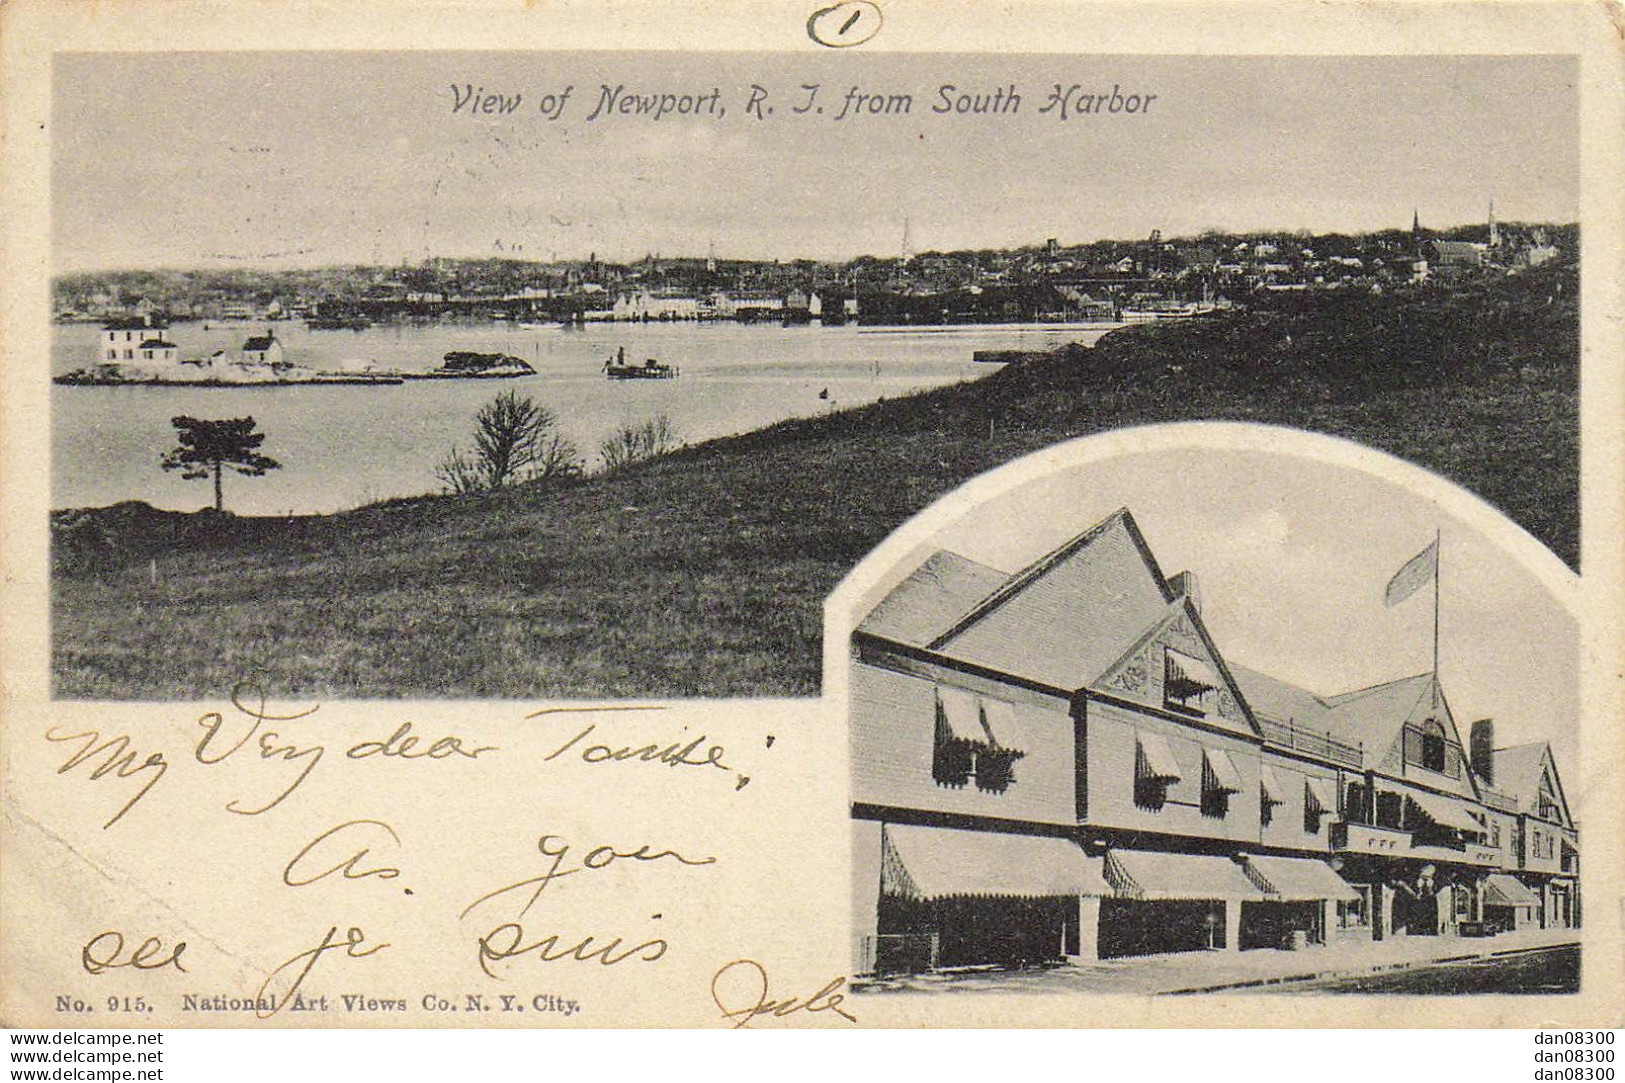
x=136, y=352
x=467, y=365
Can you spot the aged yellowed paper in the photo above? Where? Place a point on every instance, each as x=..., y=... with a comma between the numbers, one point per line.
x=841, y=514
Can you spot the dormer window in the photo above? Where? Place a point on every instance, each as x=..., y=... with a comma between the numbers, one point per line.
x=1433, y=747
x=1186, y=682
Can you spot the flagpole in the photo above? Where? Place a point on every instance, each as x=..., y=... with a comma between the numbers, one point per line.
x=1437, y=568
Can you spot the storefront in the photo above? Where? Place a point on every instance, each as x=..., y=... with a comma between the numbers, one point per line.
x=1301, y=906
x=957, y=898
x=1509, y=904
x=1170, y=902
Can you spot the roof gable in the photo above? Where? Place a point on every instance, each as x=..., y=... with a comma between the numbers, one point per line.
x=1524, y=771
x=927, y=603
x=1143, y=673
x=1070, y=615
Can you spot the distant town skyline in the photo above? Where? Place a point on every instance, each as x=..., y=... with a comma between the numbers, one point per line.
x=306, y=160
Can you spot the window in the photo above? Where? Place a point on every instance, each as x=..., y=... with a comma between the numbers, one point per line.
x=1351, y=914
x=1355, y=798
x=966, y=747
x=1318, y=800
x=146, y=354
x=112, y=355
x=1433, y=751
x=1186, y=682
x=1220, y=779
x=1270, y=794
x=129, y=355
x=1495, y=832
x=1390, y=810
x=1154, y=770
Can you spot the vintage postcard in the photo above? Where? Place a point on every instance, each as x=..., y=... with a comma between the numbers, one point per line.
x=851, y=514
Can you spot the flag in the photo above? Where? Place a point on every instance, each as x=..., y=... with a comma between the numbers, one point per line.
x=1417, y=573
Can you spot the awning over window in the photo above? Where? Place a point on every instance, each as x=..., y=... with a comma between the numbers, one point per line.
x=1503, y=890
x=1445, y=812
x=1143, y=874
x=1156, y=758
x=1323, y=792
x=1224, y=771
x=963, y=716
x=1274, y=792
x=939, y=862
x=1298, y=879
x=1000, y=720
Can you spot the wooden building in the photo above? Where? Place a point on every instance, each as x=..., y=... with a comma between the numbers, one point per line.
x=1060, y=764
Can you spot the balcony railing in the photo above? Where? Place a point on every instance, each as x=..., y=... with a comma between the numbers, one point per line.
x=1285, y=733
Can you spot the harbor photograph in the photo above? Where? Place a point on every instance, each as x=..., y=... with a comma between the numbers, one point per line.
x=492, y=376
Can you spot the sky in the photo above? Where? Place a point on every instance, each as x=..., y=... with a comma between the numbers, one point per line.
x=1292, y=556
x=311, y=159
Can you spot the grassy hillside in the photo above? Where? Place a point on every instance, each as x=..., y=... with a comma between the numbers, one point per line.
x=703, y=573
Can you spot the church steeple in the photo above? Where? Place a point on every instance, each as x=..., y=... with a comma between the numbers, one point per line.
x=1495, y=230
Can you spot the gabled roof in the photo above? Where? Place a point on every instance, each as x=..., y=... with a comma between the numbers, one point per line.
x=1376, y=715
x=259, y=342
x=932, y=599
x=157, y=344
x=1278, y=700
x=1518, y=771
x=130, y=323
x=1368, y=718
x=1064, y=619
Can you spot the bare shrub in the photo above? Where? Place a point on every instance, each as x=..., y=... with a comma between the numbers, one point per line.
x=514, y=440
x=635, y=443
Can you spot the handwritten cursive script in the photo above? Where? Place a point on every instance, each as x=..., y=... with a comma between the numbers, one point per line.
x=269, y=1002
x=740, y=991
x=317, y=860
x=118, y=760
x=599, y=857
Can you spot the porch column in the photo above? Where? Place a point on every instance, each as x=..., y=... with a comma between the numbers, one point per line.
x=1088, y=931
x=865, y=893
x=1232, y=925
x=1328, y=920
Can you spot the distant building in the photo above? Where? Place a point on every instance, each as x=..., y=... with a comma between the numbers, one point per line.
x=263, y=349
x=125, y=338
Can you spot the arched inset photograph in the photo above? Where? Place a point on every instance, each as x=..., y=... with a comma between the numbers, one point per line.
x=1213, y=707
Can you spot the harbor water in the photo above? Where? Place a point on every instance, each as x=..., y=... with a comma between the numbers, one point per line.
x=343, y=446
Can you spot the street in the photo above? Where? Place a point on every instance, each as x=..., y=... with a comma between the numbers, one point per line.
x=1546, y=970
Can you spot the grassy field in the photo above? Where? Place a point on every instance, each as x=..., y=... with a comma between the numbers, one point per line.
x=703, y=572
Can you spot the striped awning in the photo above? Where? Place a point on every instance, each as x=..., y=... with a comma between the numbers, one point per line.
x=999, y=719
x=1298, y=879
x=1503, y=890
x=1274, y=792
x=963, y=716
x=1156, y=758
x=925, y=863
x=1224, y=770
x=1445, y=812
x=1145, y=874
x=1323, y=793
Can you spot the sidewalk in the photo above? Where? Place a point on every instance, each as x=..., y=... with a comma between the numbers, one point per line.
x=1213, y=971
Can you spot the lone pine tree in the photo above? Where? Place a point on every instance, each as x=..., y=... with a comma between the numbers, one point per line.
x=207, y=447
